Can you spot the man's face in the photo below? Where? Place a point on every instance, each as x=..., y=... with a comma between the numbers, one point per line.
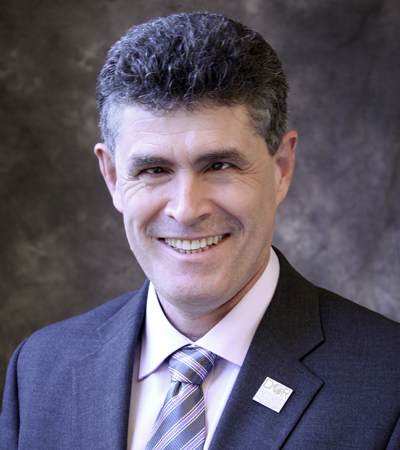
x=198, y=192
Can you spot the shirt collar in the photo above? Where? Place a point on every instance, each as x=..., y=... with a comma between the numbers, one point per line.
x=160, y=338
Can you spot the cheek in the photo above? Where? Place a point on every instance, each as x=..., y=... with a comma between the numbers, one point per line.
x=252, y=207
x=140, y=209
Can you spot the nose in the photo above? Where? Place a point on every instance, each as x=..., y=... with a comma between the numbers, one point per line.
x=189, y=200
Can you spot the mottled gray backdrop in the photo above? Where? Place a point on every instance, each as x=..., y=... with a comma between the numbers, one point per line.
x=63, y=248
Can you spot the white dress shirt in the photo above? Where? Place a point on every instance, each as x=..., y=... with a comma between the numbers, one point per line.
x=151, y=378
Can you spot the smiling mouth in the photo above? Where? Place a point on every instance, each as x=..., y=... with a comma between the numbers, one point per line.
x=196, y=245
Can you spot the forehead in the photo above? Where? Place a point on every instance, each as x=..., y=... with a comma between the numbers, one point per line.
x=199, y=130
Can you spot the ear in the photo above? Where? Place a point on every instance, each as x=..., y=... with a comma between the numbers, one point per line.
x=109, y=172
x=284, y=160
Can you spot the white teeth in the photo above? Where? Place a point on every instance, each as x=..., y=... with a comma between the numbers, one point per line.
x=195, y=246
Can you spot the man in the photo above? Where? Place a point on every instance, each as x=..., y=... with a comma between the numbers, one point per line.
x=197, y=158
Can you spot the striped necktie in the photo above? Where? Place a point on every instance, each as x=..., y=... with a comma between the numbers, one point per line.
x=181, y=421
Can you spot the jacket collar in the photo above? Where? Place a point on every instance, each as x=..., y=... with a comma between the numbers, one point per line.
x=293, y=315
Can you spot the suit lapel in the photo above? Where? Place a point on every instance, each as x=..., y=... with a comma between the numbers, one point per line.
x=102, y=380
x=289, y=330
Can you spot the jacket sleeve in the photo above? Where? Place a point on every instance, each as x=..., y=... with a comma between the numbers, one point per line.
x=9, y=418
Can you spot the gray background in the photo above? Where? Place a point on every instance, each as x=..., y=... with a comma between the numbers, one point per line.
x=63, y=248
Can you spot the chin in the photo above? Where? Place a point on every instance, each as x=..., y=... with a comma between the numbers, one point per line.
x=181, y=293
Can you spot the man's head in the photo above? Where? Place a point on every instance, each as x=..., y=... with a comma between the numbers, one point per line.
x=194, y=60
x=193, y=109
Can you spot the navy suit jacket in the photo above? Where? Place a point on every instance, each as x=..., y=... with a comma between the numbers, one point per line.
x=69, y=385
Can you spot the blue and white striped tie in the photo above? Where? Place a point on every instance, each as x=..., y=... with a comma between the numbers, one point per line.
x=180, y=424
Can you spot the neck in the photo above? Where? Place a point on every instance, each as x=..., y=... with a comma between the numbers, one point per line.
x=195, y=325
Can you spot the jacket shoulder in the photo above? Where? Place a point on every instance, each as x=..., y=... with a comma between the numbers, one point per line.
x=345, y=319
x=79, y=334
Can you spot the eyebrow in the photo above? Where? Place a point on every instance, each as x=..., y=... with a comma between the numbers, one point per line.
x=232, y=155
x=143, y=161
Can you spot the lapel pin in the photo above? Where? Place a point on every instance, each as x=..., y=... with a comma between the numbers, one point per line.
x=273, y=395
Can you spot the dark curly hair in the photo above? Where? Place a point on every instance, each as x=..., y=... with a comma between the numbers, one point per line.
x=194, y=60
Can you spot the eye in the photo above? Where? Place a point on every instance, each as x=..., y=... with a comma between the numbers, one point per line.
x=154, y=170
x=219, y=166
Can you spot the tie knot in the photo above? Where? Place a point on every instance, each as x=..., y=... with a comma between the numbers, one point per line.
x=190, y=364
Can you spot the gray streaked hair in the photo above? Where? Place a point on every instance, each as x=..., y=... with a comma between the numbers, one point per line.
x=193, y=60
